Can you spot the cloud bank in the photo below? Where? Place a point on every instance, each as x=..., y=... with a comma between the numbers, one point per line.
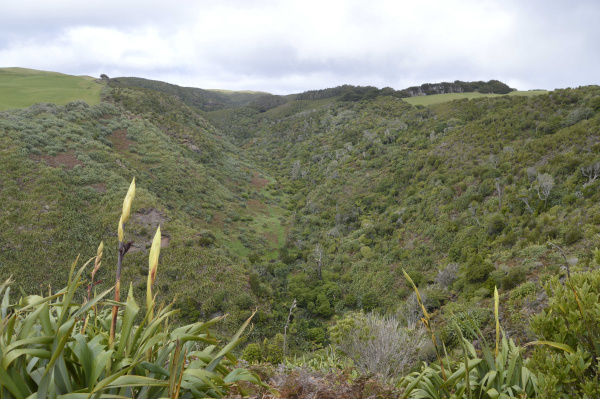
x=292, y=46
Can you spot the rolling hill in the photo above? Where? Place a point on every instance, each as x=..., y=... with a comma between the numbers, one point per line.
x=20, y=87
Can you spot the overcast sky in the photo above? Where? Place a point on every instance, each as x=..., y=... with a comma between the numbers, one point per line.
x=284, y=47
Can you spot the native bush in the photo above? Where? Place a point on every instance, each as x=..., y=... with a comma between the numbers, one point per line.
x=515, y=276
x=477, y=269
x=468, y=322
x=523, y=290
x=252, y=353
x=569, y=337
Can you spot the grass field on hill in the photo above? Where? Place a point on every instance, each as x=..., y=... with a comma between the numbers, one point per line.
x=20, y=88
x=442, y=98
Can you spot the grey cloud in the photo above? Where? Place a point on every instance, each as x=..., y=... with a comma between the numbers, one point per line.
x=284, y=47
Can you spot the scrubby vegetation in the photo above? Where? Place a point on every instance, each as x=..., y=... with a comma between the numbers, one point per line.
x=307, y=208
x=206, y=100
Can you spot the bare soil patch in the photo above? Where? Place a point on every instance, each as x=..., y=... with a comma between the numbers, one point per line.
x=258, y=182
x=257, y=205
x=152, y=217
x=67, y=159
x=164, y=241
x=100, y=187
x=120, y=140
x=271, y=237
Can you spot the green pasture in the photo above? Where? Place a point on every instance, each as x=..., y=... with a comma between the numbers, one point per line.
x=21, y=88
x=441, y=98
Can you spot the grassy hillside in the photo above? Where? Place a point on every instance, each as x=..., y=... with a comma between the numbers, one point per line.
x=442, y=98
x=20, y=87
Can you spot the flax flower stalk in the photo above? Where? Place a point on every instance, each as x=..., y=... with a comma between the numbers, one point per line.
x=425, y=320
x=153, y=266
x=97, y=264
x=497, y=317
x=123, y=248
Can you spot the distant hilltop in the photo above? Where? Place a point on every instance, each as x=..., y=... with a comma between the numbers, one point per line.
x=357, y=93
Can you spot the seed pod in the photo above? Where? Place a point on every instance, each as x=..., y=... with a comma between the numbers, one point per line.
x=127, y=201
x=153, y=263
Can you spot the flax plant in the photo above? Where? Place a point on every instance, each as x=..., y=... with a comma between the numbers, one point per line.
x=492, y=374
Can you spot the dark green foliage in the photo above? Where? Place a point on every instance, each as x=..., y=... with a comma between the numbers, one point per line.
x=350, y=300
x=493, y=86
x=190, y=309
x=358, y=93
x=208, y=100
x=273, y=349
x=244, y=302
x=515, y=276
x=573, y=235
x=267, y=102
x=205, y=242
x=495, y=225
x=573, y=319
x=477, y=270
x=435, y=297
x=323, y=307
x=252, y=353
x=317, y=335
x=417, y=277
x=370, y=301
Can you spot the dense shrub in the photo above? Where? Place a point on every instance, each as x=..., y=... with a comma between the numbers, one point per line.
x=477, y=270
x=495, y=225
x=244, y=301
x=252, y=353
x=572, y=235
x=515, y=276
